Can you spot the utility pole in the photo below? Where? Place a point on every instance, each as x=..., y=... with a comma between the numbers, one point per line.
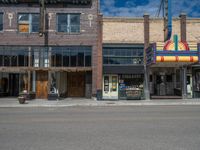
x=146, y=45
x=42, y=18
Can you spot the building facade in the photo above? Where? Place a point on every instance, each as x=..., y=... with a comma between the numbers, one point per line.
x=172, y=67
x=50, y=49
x=67, y=49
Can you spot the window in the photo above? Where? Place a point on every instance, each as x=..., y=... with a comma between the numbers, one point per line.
x=71, y=56
x=40, y=57
x=28, y=23
x=69, y=23
x=1, y=21
x=122, y=55
x=13, y=56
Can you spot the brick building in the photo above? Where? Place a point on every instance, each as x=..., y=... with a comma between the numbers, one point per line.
x=64, y=60
x=67, y=49
x=124, y=41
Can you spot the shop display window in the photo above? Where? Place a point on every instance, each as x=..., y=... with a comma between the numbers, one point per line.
x=131, y=86
x=197, y=81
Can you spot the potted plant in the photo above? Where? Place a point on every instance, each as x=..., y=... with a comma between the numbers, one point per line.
x=21, y=99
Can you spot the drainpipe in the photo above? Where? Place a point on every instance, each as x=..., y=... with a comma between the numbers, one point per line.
x=146, y=45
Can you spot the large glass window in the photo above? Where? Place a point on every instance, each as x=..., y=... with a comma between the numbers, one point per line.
x=13, y=56
x=73, y=59
x=66, y=57
x=69, y=23
x=1, y=21
x=88, y=58
x=122, y=55
x=28, y=23
x=71, y=56
x=56, y=57
x=40, y=57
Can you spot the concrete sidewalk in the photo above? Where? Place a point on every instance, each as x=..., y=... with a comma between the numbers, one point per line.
x=69, y=102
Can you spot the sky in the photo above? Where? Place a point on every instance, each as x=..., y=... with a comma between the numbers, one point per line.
x=136, y=8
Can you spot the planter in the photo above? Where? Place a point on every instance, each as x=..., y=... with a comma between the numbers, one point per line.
x=27, y=96
x=21, y=99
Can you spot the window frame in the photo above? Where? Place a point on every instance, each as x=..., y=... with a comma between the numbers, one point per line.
x=29, y=22
x=122, y=56
x=1, y=13
x=68, y=24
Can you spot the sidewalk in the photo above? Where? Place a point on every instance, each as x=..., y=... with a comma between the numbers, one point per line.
x=69, y=102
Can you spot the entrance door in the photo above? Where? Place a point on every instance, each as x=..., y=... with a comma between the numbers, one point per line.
x=76, y=84
x=41, y=84
x=110, y=87
x=13, y=84
x=189, y=86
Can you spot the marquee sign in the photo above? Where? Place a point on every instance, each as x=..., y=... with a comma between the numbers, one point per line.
x=173, y=51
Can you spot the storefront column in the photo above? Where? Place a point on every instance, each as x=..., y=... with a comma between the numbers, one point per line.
x=29, y=81
x=49, y=82
x=29, y=72
x=99, y=73
x=33, y=81
x=184, y=82
x=146, y=68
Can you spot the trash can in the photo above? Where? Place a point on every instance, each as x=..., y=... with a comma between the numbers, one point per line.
x=99, y=94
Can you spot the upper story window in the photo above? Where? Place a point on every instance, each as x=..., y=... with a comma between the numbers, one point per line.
x=122, y=55
x=69, y=23
x=1, y=21
x=28, y=23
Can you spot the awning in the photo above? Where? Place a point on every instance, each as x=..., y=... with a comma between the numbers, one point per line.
x=123, y=69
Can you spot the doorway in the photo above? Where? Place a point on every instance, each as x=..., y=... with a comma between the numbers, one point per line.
x=13, y=84
x=189, y=86
x=76, y=84
x=41, y=84
x=110, y=87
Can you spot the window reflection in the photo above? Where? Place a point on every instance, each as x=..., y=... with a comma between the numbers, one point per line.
x=123, y=55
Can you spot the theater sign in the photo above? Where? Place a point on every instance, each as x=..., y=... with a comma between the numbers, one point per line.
x=173, y=52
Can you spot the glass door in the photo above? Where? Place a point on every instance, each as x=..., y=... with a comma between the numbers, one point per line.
x=110, y=87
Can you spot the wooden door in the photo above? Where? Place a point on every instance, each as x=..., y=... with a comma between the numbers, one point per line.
x=76, y=84
x=41, y=84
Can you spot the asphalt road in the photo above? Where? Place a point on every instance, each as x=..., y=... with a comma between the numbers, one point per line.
x=101, y=128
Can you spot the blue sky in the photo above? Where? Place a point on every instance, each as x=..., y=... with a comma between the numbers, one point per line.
x=136, y=8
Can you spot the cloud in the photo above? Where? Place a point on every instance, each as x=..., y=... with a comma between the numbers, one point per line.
x=137, y=8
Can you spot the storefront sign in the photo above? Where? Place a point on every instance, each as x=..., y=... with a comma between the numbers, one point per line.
x=130, y=76
x=174, y=51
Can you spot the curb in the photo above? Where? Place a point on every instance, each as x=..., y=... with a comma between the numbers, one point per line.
x=102, y=104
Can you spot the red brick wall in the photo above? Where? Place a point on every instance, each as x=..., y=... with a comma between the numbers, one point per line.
x=88, y=35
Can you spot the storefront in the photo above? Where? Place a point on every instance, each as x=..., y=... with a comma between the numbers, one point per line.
x=171, y=72
x=131, y=86
x=196, y=81
x=44, y=71
x=123, y=86
x=123, y=71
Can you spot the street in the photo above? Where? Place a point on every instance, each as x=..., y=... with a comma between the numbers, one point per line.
x=101, y=128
